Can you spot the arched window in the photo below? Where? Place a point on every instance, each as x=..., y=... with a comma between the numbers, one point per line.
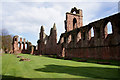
x=15, y=39
x=92, y=32
x=78, y=36
x=45, y=41
x=109, y=27
x=74, y=23
x=36, y=47
x=25, y=46
x=22, y=46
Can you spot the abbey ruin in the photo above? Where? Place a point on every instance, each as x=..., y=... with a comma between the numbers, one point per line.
x=77, y=41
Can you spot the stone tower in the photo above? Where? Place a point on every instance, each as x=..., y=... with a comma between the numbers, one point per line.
x=15, y=43
x=41, y=41
x=41, y=33
x=74, y=19
x=54, y=31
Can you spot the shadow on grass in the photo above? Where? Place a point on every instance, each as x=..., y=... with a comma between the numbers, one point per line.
x=90, y=72
x=6, y=77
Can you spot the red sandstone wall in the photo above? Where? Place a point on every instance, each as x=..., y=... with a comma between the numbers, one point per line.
x=60, y=50
x=69, y=20
x=101, y=46
x=112, y=52
x=51, y=46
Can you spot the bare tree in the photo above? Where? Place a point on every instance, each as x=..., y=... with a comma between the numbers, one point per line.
x=5, y=40
x=5, y=32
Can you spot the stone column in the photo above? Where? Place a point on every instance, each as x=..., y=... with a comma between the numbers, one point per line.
x=27, y=45
x=20, y=44
x=24, y=44
x=69, y=39
x=32, y=49
x=15, y=44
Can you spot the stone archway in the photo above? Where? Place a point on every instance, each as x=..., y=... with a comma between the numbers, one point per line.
x=74, y=23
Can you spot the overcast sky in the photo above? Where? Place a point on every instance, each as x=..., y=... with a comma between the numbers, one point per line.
x=26, y=18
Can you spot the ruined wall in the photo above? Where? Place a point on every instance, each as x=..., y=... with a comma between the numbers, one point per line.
x=15, y=44
x=74, y=19
x=79, y=43
x=47, y=45
x=21, y=46
x=41, y=41
x=51, y=44
x=111, y=53
x=77, y=40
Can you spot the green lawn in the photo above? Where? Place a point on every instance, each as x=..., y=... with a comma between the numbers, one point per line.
x=45, y=67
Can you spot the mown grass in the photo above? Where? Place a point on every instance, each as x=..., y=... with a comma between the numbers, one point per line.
x=45, y=67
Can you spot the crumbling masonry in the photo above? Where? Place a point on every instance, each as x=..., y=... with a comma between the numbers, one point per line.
x=77, y=40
